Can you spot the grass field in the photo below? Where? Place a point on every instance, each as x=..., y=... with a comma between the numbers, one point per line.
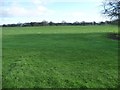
x=0, y=58
x=59, y=56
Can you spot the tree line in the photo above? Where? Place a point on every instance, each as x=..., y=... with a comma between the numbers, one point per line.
x=63, y=23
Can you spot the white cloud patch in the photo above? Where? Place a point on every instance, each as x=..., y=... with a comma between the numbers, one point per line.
x=37, y=2
x=42, y=9
x=41, y=2
x=77, y=14
x=15, y=10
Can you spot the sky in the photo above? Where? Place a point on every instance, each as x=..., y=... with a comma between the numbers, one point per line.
x=21, y=11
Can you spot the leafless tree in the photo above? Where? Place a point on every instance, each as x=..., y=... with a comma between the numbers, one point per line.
x=112, y=8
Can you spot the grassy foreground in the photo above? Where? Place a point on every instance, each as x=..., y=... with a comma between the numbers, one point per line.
x=59, y=56
x=0, y=58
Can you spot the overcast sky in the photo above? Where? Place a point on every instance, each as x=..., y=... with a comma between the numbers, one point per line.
x=20, y=11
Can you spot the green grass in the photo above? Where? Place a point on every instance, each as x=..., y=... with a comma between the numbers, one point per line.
x=0, y=58
x=60, y=56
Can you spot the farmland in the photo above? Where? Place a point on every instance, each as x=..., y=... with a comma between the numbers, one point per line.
x=59, y=57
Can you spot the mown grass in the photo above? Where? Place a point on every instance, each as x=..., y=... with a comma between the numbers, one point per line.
x=60, y=56
x=0, y=57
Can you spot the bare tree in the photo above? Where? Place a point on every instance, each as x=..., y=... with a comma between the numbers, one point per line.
x=112, y=8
